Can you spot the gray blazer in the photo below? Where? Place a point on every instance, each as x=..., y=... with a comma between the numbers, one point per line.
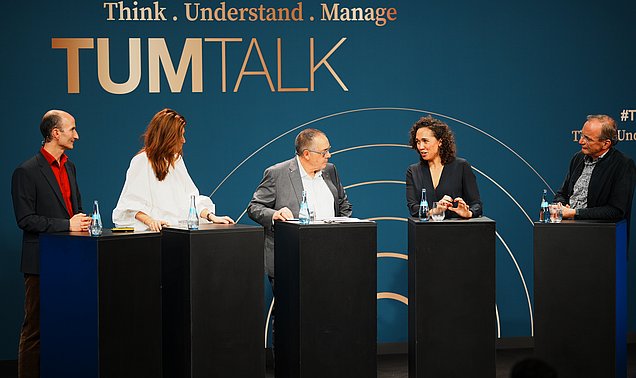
x=282, y=187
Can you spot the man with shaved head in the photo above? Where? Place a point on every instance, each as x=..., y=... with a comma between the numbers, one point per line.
x=600, y=180
x=45, y=199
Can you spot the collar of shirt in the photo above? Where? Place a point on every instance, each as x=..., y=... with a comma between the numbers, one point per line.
x=319, y=197
x=51, y=159
x=589, y=160
x=304, y=174
x=61, y=176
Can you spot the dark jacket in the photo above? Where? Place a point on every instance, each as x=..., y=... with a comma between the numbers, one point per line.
x=457, y=180
x=39, y=206
x=611, y=186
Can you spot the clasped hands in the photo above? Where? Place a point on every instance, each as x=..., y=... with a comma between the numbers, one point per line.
x=462, y=208
x=79, y=222
x=567, y=212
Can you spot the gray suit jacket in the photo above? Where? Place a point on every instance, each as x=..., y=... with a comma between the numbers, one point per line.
x=282, y=187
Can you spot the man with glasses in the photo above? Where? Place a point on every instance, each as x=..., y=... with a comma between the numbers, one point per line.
x=279, y=194
x=600, y=181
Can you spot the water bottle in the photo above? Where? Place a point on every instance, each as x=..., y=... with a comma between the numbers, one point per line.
x=95, y=229
x=423, y=213
x=544, y=213
x=303, y=214
x=193, y=215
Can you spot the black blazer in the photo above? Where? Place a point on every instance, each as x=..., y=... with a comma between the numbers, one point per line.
x=457, y=180
x=609, y=195
x=39, y=206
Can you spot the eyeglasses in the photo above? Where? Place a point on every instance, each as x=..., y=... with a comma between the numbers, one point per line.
x=323, y=152
x=587, y=139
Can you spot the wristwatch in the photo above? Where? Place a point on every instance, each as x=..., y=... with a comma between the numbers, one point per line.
x=208, y=216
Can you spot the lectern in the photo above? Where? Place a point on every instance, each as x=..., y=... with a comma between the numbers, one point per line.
x=325, y=293
x=452, y=298
x=100, y=305
x=580, y=285
x=213, y=300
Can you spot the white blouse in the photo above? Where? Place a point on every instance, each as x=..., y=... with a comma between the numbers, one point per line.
x=167, y=200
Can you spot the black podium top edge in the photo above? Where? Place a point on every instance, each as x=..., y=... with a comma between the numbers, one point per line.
x=454, y=220
x=319, y=224
x=580, y=223
x=107, y=234
x=215, y=227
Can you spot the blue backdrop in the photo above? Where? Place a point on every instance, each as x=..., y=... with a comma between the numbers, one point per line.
x=513, y=80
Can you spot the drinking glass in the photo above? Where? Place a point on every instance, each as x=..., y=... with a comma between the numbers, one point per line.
x=437, y=212
x=556, y=213
x=95, y=228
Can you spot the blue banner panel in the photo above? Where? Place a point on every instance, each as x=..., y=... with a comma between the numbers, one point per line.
x=514, y=81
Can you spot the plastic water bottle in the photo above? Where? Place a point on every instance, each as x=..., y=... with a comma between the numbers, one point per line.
x=95, y=229
x=544, y=213
x=193, y=215
x=423, y=213
x=303, y=214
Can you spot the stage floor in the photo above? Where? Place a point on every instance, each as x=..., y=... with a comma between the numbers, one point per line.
x=396, y=365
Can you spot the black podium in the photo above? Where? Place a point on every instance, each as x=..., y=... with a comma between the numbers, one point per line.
x=100, y=305
x=580, y=299
x=452, y=298
x=325, y=293
x=213, y=302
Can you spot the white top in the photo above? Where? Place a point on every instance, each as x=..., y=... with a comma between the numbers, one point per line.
x=319, y=197
x=167, y=200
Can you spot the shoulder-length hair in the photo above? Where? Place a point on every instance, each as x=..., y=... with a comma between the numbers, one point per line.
x=163, y=143
x=443, y=133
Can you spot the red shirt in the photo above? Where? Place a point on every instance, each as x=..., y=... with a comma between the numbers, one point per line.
x=59, y=170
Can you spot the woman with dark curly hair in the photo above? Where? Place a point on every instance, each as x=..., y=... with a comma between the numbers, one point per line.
x=448, y=180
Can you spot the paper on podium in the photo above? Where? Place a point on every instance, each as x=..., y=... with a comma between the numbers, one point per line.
x=344, y=220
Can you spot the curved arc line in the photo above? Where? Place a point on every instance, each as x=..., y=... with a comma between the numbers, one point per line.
x=243, y=213
x=282, y=135
x=505, y=191
x=498, y=323
x=393, y=296
x=523, y=281
x=370, y=146
x=269, y=315
x=375, y=183
x=388, y=218
x=392, y=255
x=378, y=109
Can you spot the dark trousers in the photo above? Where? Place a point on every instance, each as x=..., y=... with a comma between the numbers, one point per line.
x=29, y=347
